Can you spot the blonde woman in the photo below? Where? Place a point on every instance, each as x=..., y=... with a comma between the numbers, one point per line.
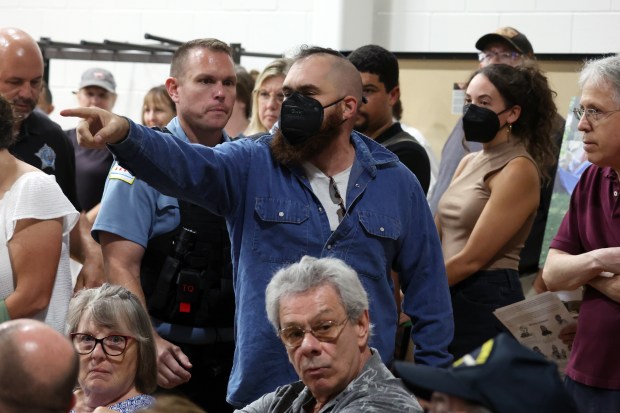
x=268, y=97
x=158, y=108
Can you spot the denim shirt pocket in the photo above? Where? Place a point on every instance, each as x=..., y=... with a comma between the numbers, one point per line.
x=380, y=234
x=380, y=225
x=281, y=230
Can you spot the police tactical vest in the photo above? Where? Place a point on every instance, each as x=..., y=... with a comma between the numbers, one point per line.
x=186, y=274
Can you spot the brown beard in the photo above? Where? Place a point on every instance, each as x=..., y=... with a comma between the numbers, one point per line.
x=287, y=154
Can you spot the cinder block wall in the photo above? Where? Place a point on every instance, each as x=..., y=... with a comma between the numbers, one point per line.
x=278, y=26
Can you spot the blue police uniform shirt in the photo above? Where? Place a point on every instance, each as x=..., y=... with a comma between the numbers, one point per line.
x=134, y=210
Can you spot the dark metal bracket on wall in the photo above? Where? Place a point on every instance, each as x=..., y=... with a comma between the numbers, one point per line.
x=162, y=51
x=115, y=51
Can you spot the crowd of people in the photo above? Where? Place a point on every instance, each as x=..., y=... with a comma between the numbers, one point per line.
x=255, y=244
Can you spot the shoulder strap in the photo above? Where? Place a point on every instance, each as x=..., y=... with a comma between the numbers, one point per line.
x=401, y=136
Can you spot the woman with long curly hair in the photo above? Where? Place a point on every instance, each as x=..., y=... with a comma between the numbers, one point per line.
x=487, y=212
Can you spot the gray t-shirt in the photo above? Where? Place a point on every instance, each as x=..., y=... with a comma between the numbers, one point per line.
x=374, y=390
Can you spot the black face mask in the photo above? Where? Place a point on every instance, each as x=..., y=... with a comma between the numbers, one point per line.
x=301, y=117
x=480, y=124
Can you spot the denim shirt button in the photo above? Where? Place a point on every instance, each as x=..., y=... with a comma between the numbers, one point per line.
x=329, y=246
x=280, y=214
x=320, y=209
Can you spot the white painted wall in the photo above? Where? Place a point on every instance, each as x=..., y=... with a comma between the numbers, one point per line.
x=278, y=26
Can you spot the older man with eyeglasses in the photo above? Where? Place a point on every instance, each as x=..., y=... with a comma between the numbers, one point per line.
x=586, y=249
x=506, y=46
x=320, y=312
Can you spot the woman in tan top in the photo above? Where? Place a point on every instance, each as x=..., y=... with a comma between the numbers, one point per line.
x=486, y=214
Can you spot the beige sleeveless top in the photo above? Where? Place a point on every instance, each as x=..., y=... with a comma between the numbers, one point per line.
x=464, y=200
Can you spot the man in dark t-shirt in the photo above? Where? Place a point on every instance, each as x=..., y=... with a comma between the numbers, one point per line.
x=378, y=68
x=41, y=143
x=97, y=88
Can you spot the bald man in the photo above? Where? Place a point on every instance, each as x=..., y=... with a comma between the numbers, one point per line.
x=39, y=368
x=315, y=187
x=41, y=142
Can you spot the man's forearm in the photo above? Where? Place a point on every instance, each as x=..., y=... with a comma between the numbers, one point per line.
x=122, y=262
x=610, y=286
x=125, y=278
x=567, y=272
x=86, y=251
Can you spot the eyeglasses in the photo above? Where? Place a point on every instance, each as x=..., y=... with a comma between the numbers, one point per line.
x=592, y=115
x=341, y=209
x=265, y=96
x=112, y=345
x=502, y=57
x=325, y=331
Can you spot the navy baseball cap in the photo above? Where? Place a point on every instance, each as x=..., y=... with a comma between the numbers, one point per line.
x=501, y=375
x=510, y=35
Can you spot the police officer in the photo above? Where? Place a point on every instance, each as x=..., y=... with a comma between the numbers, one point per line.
x=174, y=255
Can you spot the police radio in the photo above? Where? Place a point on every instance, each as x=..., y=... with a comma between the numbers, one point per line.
x=172, y=273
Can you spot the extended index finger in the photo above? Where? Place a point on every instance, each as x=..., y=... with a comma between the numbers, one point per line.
x=86, y=133
x=89, y=129
x=83, y=113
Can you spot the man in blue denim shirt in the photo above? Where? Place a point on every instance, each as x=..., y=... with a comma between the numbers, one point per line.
x=315, y=188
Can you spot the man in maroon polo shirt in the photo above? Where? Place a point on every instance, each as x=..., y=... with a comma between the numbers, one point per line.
x=586, y=250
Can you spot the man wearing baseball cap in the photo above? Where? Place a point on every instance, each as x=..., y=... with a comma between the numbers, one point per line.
x=97, y=83
x=501, y=376
x=97, y=88
x=508, y=46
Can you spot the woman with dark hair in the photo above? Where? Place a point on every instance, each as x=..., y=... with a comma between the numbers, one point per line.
x=35, y=221
x=112, y=334
x=486, y=213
